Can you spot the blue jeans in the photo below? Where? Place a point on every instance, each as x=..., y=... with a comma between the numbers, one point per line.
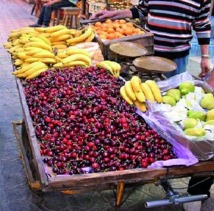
x=45, y=15
x=181, y=66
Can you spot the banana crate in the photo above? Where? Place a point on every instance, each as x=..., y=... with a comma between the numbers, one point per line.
x=146, y=39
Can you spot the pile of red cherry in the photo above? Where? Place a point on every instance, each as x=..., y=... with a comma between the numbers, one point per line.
x=84, y=125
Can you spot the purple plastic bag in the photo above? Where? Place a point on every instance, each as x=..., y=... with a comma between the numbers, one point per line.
x=185, y=156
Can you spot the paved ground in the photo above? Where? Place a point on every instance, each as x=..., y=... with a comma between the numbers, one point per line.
x=15, y=194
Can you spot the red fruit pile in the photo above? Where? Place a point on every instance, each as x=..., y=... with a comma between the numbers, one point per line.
x=84, y=126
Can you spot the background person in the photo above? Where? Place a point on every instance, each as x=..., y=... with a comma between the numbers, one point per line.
x=171, y=22
x=47, y=9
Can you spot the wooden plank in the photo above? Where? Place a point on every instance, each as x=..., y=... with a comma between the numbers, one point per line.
x=129, y=176
x=31, y=135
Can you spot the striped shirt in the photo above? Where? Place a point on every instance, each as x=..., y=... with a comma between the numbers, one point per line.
x=172, y=21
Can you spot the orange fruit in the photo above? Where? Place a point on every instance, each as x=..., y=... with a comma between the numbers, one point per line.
x=98, y=24
x=110, y=36
x=108, y=21
x=129, y=24
x=122, y=21
x=128, y=31
x=110, y=30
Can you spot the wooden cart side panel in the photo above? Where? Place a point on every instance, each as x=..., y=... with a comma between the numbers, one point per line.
x=31, y=135
x=129, y=176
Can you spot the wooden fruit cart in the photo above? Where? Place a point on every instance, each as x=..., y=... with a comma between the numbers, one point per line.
x=39, y=180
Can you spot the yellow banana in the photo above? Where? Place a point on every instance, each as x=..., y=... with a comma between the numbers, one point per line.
x=18, y=62
x=77, y=33
x=140, y=96
x=31, y=60
x=71, y=51
x=37, y=73
x=24, y=68
x=60, y=38
x=75, y=57
x=45, y=39
x=117, y=67
x=22, y=55
x=114, y=71
x=155, y=90
x=77, y=63
x=7, y=45
x=90, y=38
x=60, y=32
x=59, y=46
x=59, y=43
x=106, y=66
x=147, y=92
x=81, y=38
x=34, y=51
x=62, y=55
x=129, y=91
x=41, y=29
x=58, y=65
x=48, y=60
x=135, y=82
x=38, y=45
x=44, y=54
x=55, y=28
x=140, y=106
x=35, y=68
x=124, y=95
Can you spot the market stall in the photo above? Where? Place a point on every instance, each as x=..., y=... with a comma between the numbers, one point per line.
x=87, y=128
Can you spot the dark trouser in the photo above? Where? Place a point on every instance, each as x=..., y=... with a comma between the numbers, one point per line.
x=45, y=15
x=200, y=185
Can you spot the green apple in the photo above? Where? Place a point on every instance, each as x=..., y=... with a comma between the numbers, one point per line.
x=196, y=115
x=186, y=87
x=169, y=100
x=175, y=93
x=210, y=122
x=190, y=123
x=210, y=115
x=195, y=132
x=207, y=101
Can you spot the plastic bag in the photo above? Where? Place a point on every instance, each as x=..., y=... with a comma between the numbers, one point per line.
x=202, y=148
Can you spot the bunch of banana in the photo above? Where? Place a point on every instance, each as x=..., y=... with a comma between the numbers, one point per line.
x=134, y=93
x=113, y=67
x=154, y=89
x=31, y=70
x=73, y=57
x=85, y=35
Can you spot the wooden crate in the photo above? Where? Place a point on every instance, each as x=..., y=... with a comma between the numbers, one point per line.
x=146, y=39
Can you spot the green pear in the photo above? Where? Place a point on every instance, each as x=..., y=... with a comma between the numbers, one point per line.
x=195, y=132
x=175, y=93
x=169, y=100
x=207, y=101
x=210, y=122
x=210, y=115
x=196, y=115
x=190, y=123
x=186, y=87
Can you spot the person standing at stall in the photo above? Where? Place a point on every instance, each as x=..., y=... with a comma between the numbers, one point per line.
x=172, y=22
x=47, y=9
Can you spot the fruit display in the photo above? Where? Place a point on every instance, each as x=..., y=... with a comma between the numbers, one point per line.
x=114, y=29
x=191, y=109
x=83, y=124
x=41, y=48
x=135, y=92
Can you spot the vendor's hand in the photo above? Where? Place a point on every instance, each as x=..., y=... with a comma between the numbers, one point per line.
x=104, y=14
x=205, y=67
